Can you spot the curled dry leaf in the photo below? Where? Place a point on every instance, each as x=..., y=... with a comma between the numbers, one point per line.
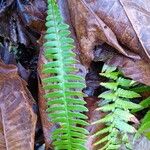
x=97, y=22
x=138, y=70
x=17, y=118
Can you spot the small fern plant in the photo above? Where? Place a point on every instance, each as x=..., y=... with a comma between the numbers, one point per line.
x=62, y=87
x=117, y=104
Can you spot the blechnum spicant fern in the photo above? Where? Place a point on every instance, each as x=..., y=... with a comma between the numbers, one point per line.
x=117, y=104
x=63, y=88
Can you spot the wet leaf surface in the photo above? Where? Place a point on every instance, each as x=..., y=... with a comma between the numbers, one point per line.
x=23, y=21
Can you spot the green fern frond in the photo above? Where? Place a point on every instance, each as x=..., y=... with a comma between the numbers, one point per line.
x=117, y=104
x=145, y=126
x=123, y=103
x=144, y=104
x=141, y=89
x=110, y=75
x=125, y=82
x=126, y=93
x=64, y=99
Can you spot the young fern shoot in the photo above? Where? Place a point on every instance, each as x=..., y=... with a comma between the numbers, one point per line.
x=63, y=88
x=117, y=104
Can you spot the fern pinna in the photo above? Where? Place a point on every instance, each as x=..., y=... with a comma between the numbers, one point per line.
x=65, y=103
x=117, y=105
x=144, y=128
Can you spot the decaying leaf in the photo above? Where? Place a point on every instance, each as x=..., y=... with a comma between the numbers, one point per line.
x=99, y=23
x=93, y=115
x=17, y=118
x=46, y=124
x=22, y=21
x=5, y=53
x=138, y=13
x=138, y=70
x=96, y=23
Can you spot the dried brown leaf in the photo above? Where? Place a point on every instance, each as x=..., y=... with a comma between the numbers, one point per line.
x=138, y=12
x=138, y=70
x=124, y=25
x=46, y=124
x=17, y=118
x=104, y=21
x=93, y=115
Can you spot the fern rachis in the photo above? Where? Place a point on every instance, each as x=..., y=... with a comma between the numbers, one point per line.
x=65, y=106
